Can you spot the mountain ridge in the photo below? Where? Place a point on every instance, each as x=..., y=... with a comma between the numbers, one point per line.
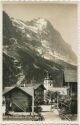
x=51, y=42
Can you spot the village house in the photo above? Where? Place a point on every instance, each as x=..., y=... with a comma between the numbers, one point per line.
x=19, y=98
x=70, y=80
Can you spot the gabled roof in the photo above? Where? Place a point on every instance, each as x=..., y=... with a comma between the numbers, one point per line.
x=70, y=75
x=7, y=89
x=28, y=89
x=38, y=85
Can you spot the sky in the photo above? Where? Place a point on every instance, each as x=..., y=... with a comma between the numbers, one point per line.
x=63, y=17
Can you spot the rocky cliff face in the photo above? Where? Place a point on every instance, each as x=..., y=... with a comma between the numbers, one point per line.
x=31, y=49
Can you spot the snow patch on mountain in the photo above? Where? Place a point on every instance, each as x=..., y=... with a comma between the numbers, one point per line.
x=41, y=24
x=28, y=36
x=38, y=26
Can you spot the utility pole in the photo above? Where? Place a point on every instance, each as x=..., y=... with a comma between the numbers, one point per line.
x=57, y=102
x=33, y=102
x=33, y=98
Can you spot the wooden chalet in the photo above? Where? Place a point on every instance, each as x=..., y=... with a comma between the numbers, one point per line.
x=19, y=98
x=70, y=77
x=70, y=80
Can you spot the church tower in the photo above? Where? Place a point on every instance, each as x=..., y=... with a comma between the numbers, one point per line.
x=47, y=82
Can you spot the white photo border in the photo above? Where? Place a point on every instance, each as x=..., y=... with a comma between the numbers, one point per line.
x=78, y=45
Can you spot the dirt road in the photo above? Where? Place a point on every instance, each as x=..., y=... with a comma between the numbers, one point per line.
x=51, y=116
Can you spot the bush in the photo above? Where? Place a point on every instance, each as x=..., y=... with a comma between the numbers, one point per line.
x=38, y=109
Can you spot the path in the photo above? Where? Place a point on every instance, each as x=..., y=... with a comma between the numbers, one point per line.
x=53, y=116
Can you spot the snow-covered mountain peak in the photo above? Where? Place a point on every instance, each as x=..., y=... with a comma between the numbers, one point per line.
x=41, y=23
x=44, y=39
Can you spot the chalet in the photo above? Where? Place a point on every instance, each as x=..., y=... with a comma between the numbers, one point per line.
x=19, y=98
x=70, y=80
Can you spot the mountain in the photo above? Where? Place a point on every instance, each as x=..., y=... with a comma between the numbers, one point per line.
x=32, y=48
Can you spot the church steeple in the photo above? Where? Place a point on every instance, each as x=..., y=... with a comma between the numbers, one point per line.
x=47, y=82
x=47, y=76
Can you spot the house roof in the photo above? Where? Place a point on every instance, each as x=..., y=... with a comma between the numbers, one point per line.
x=37, y=85
x=70, y=75
x=28, y=89
x=7, y=89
